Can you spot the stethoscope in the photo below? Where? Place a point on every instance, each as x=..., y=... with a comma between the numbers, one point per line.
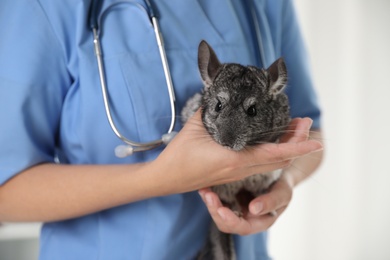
x=95, y=17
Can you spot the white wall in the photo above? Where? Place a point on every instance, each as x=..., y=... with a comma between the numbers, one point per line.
x=19, y=241
x=343, y=212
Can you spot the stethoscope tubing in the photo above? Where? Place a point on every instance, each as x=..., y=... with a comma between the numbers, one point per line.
x=94, y=22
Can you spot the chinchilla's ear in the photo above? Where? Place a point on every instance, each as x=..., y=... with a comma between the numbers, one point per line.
x=278, y=76
x=208, y=63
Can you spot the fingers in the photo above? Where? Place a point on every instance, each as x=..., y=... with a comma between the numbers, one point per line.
x=227, y=221
x=282, y=152
x=276, y=200
x=297, y=131
x=263, y=210
x=207, y=163
x=293, y=144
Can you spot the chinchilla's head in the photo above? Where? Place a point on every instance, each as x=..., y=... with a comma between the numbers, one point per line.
x=242, y=105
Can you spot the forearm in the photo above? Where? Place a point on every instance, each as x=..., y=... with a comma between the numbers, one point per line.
x=303, y=167
x=50, y=192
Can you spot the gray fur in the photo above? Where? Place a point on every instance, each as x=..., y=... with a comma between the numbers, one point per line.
x=242, y=106
x=191, y=106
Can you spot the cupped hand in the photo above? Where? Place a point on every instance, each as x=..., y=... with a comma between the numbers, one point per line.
x=262, y=211
x=193, y=160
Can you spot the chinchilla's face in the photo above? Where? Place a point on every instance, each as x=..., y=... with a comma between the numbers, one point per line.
x=239, y=110
x=242, y=105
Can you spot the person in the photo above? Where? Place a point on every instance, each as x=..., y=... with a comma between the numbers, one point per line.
x=57, y=161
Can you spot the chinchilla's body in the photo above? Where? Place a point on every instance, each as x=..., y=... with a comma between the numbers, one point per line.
x=242, y=106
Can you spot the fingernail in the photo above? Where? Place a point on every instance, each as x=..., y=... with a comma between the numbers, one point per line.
x=257, y=208
x=209, y=199
x=310, y=123
x=318, y=150
x=321, y=148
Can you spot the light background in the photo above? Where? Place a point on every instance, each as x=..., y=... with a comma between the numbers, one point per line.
x=342, y=212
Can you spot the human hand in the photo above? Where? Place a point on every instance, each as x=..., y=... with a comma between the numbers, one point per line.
x=261, y=214
x=263, y=211
x=193, y=160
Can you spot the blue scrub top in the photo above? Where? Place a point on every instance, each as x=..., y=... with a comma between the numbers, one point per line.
x=52, y=106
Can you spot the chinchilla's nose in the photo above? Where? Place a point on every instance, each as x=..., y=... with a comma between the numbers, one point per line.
x=229, y=138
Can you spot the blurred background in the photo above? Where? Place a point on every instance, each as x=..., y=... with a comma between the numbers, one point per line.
x=342, y=212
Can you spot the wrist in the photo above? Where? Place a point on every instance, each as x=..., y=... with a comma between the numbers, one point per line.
x=162, y=178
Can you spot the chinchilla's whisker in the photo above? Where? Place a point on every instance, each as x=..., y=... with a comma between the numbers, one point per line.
x=299, y=169
x=158, y=118
x=259, y=145
x=196, y=123
x=200, y=140
x=320, y=139
x=309, y=134
x=261, y=142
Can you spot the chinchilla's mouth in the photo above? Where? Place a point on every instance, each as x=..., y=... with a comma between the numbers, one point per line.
x=233, y=147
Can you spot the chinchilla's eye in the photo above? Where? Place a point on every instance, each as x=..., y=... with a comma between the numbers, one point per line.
x=218, y=107
x=251, y=111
